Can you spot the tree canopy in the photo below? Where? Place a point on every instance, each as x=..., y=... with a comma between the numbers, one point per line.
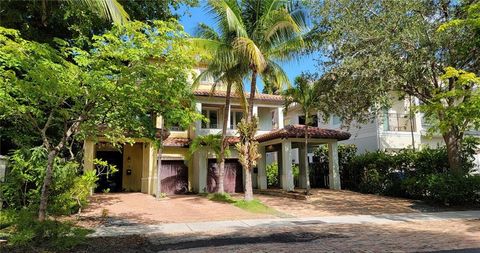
x=62, y=93
x=379, y=48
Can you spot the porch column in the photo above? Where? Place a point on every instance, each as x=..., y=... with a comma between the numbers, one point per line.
x=261, y=165
x=280, y=117
x=200, y=171
x=333, y=167
x=229, y=118
x=255, y=110
x=287, y=175
x=302, y=167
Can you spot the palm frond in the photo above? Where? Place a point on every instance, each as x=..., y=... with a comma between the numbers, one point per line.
x=228, y=14
x=109, y=9
x=249, y=50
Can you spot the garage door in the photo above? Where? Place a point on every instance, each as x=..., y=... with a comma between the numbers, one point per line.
x=233, y=181
x=174, y=176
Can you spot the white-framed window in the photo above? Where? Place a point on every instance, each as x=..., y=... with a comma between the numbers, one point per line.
x=212, y=115
x=235, y=118
x=336, y=120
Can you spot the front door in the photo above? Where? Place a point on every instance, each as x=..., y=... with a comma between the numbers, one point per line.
x=110, y=182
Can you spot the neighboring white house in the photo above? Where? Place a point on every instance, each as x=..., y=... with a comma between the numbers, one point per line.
x=390, y=130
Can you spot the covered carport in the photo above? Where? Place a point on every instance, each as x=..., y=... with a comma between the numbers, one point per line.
x=283, y=140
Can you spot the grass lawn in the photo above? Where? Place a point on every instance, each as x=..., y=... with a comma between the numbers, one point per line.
x=254, y=206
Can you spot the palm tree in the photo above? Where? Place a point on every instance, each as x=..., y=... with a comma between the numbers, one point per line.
x=212, y=143
x=261, y=32
x=225, y=69
x=306, y=96
x=108, y=9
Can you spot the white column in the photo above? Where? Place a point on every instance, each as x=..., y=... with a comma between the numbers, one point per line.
x=262, y=173
x=200, y=171
x=333, y=167
x=255, y=110
x=287, y=175
x=280, y=117
x=229, y=118
x=302, y=167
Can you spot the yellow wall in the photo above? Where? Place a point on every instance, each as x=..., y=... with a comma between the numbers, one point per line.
x=133, y=160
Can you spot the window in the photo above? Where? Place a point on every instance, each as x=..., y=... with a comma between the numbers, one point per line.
x=212, y=116
x=235, y=117
x=313, y=120
x=336, y=120
x=176, y=127
x=205, y=78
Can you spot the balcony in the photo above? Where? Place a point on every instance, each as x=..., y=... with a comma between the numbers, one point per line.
x=398, y=122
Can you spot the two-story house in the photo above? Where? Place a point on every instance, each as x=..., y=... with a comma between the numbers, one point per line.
x=182, y=172
x=389, y=130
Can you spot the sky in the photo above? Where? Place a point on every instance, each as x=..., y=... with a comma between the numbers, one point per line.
x=191, y=17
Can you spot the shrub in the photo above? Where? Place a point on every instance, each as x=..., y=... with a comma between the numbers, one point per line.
x=22, y=186
x=422, y=174
x=319, y=168
x=27, y=231
x=452, y=189
x=272, y=175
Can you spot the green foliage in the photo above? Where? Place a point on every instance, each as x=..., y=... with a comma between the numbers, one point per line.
x=222, y=197
x=24, y=231
x=254, y=206
x=210, y=143
x=272, y=175
x=22, y=185
x=79, y=20
x=247, y=147
x=346, y=153
x=422, y=174
x=381, y=48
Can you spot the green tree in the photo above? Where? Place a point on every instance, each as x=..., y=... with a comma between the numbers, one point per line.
x=262, y=32
x=224, y=67
x=379, y=47
x=79, y=20
x=60, y=94
x=305, y=95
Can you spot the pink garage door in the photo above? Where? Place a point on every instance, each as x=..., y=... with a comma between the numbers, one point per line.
x=174, y=177
x=233, y=181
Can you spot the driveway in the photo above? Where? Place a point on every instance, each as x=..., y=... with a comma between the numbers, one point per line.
x=325, y=202
x=144, y=208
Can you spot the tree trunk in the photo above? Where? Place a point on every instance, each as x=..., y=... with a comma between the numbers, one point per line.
x=248, y=140
x=42, y=210
x=253, y=88
x=307, y=177
x=248, y=185
x=453, y=142
x=224, y=144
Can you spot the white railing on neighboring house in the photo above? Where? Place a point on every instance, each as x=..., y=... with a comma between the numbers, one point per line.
x=398, y=122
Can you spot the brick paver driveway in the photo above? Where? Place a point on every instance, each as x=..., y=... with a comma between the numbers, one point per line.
x=324, y=202
x=143, y=208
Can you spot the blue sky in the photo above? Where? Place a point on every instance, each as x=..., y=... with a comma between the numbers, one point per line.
x=197, y=15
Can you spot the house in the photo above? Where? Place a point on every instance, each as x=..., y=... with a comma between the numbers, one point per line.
x=137, y=163
x=390, y=130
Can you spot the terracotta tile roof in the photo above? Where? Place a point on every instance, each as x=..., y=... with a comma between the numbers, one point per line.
x=185, y=142
x=298, y=131
x=176, y=142
x=258, y=96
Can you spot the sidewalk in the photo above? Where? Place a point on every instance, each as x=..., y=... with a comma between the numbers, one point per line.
x=121, y=228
